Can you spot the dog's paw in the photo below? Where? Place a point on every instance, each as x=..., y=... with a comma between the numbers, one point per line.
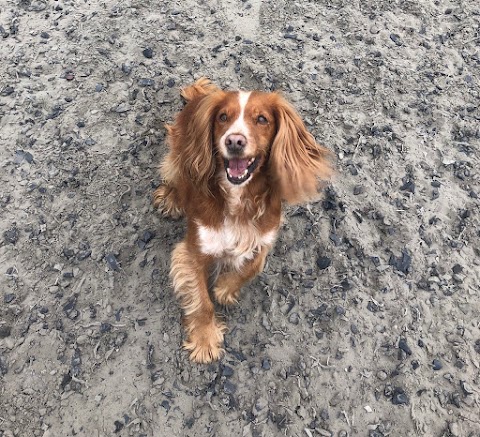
x=225, y=290
x=205, y=343
x=164, y=200
x=225, y=296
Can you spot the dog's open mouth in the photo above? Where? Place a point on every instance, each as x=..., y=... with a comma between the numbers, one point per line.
x=240, y=169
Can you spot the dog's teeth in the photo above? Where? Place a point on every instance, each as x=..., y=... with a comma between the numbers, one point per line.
x=242, y=176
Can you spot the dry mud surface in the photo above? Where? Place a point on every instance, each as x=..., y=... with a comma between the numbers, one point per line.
x=366, y=319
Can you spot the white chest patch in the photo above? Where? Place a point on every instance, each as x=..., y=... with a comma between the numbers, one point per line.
x=234, y=243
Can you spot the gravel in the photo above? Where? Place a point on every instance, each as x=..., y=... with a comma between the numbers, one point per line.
x=366, y=292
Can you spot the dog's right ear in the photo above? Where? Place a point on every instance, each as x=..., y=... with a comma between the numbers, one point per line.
x=201, y=87
x=191, y=136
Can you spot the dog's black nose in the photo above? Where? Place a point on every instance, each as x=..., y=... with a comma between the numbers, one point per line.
x=235, y=143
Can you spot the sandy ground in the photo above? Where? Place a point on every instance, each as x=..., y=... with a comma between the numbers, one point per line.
x=366, y=321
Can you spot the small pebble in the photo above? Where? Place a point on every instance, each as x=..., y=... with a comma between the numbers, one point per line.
x=266, y=364
x=147, y=236
x=5, y=331
x=127, y=68
x=458, y=278
x=396, y=39
x=408, y=185
x=9, y=297
x=457, y=268
x=358, y=189
x=399, y=397
x=324, y=412
x=112, y=262
x=148, y=53
x=307, y=283
x=323, y=262
x=7, y=91
x=402, y=344
x=165, y=404
x=381, y=375
x=229, y=387
x=21, y=155
x=467, y=388
x=146, y=82
x=11, y=235
x=105, y=327
x=118, y=426
x=227, y=371
x=339, y=310
x=294, y=319
x=401, y=263
x=123, y=107
x=82, y=339
x=83, y=254
x=301, y=412
x=259, y=406
x=436, y=364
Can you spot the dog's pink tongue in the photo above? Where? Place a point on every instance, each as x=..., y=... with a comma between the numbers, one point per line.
x=237, y=166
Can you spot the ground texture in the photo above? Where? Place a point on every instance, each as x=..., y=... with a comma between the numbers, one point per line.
x=366, y=320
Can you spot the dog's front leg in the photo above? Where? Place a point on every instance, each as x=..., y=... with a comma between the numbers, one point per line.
x=189, y=272
x=229, y=283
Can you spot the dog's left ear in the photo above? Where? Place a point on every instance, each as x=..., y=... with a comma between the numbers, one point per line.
x=297, y=163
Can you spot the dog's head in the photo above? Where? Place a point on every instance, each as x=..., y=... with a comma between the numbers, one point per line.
x=242, y=134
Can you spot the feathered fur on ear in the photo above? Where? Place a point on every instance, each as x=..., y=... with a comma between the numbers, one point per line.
x=201, y=87
x=191, y=136
x=297, y=162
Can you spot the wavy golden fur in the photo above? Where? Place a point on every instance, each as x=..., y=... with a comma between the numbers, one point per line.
x=234, y=157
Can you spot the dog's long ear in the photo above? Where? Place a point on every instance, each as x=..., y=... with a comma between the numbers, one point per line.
x=297, y=163
x=200, y=88
x=192, y=133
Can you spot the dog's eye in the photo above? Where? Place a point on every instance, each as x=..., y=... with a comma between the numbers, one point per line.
x=222, y=117
x=262, y=120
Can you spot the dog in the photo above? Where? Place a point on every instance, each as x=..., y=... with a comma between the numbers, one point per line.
x=234, y=158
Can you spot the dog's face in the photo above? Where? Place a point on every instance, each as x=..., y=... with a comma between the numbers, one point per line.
x=243, y=131
x=251, y=134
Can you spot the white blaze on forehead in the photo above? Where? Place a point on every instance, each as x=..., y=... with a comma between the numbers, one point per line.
x=243, y=97
x=239, y=126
